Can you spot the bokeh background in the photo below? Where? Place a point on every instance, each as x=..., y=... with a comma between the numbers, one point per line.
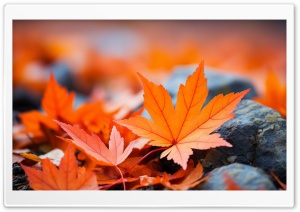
x=100, y=59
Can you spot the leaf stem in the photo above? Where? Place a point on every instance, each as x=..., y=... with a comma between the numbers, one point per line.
x=121, y=177
x=155, y=150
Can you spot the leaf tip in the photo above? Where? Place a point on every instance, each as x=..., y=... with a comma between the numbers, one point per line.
x=143, y=79
x=246, y=91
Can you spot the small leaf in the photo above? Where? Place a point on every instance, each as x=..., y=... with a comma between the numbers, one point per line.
x=64, y=178
x=95, y=148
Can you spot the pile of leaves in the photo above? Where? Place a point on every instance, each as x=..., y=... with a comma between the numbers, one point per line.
x=104, y=152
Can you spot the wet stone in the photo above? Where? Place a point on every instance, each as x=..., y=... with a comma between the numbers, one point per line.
x=244, y=176
x=258, y=138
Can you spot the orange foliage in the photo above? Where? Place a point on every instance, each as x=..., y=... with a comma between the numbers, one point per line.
x=275, y=94
x=67, y=177
x=108, y=163
x=181, y=180
x=184, y=128
x=95, y=148
x=57, y=102
x=103, y=158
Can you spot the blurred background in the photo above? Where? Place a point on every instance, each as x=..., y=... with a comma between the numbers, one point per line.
x=100, y=59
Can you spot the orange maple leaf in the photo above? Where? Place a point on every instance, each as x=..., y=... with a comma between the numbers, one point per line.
x=185, y=127
x=93, y=118
x=275, y=94
x=32, y=121
x=67, y=177
x=57, y=102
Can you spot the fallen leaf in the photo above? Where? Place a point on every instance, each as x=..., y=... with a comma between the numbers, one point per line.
x=181, y=180
x=31, y=156
x=67, y=177
x=94, y=118
x=186, y=127
x=57, y=102
x=32, y=121
x=275, y=94
x=95, y=148
x=108, y=175
x=191, y=180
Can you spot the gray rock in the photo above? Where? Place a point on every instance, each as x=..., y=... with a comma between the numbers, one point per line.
x=258, y=138
x=63, y=75
x=246, y=177
x=217, y=82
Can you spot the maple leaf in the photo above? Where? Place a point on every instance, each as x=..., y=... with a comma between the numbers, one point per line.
x=95, y=148
x=32, y=121
x=275, y=94
x=67, y=177
x=87, y=115
x=186, y=127
x=57, y=102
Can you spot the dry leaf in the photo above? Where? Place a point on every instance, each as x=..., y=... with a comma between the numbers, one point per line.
x=32, y=157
